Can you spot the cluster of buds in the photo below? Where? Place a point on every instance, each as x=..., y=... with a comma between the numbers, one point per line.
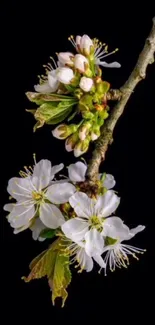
x=76, y=84
x=78, y=136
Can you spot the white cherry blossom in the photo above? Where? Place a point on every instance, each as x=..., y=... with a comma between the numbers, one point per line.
x=35, y=195
x=89, y=223
x=116, y=251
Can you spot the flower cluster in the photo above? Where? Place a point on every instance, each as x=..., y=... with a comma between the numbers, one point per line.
x=73, y=86
x=87, y=230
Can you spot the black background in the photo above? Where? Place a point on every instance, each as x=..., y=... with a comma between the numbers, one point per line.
x=32, y=32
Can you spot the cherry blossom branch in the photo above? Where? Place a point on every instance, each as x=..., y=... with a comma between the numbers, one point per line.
x=146, y=57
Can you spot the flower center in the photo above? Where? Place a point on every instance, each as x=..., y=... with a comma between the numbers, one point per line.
x=95, y=222
x=37, y=196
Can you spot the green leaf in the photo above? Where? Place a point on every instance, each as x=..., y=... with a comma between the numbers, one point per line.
x=39, y=98
x=47, y=233
x=55, y=266
x=60, y=278
x=60, y=117
x=52, y=113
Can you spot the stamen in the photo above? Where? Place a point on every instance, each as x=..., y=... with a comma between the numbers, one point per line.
x=104, y=56
x=72, y=40
x=53, y=62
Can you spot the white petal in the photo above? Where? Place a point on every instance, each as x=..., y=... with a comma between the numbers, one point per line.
x=94, y=242
x=85, y=261
x=99, y=260
x=82, y=204
x=115, y=228
x=108, y=65
x=18, y=230
x=36, y=228
x=60, y=193
x=134, y=231
x=65, y=75
x=9, y=207
x=75, y=229
x=80, y=61
x=55, y=169
x=21, y=215
x=44, y=88
x=109, y=181
x=107, y=204
x=41, y=174
x=20, y=188
x=77, y=172
x=53, y=81
x=86, y=43
x=78, y=39
x=65, y=57
x=51, y=216
x=86, y=84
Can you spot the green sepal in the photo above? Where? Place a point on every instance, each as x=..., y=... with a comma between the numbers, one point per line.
x=47, y=233
x=110, y=241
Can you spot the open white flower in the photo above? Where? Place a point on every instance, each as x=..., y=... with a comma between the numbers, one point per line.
x=49, y=83
x=117, y=253
x=77, y=173
x=89, y=223
x=33, y=194
x=65, y=75
x=78, y=255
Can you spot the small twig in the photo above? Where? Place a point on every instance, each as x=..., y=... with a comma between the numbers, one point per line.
x=146, y=57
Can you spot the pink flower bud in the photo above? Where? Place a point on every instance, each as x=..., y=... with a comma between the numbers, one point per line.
x=86, y=84
x=80, y=63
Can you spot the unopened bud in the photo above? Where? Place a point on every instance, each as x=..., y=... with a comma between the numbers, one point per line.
x=84, y=130
x=81, y=147
x=62, y=131
x=102, y=87
x=81, y=63
x=71, y=141
x=103, y=114
x=66, y=58
x=78, y=93
x=87, y=115
x=65, y=75
x=85, y=43
x=95, y=133
x=86, y=84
